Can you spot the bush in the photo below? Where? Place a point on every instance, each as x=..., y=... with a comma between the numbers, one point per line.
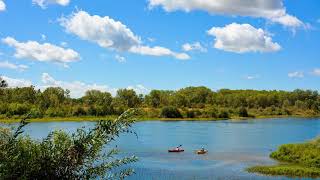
x=79, y=111
x=243, y=112
x=297, y=160
x=224, y=115
x=191, y=114
x=64, y=156
x=170, y=112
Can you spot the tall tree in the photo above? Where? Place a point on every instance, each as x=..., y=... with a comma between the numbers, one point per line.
x=3, y=83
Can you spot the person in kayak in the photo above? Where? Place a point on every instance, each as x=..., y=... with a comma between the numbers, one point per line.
x=178, y=148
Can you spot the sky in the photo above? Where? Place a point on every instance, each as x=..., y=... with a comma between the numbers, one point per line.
x=160, y=44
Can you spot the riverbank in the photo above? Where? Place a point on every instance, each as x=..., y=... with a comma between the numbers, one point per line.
x=296, y=160
x=97, y=118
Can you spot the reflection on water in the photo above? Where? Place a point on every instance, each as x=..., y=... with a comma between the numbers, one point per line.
x=232, y=145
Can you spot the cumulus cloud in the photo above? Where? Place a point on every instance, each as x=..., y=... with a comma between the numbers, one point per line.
x=2, y=6
x=196, y=46
x=12, y=82
x=77, y=88
x=139, y=89
x=42, y=52
x=8, y=65
x=296, y=74
x=316, y=72
x=120, y=59
x=273, y=10
x=44, y=3
x=241, y=38
x=158, y=51
x=111, y=34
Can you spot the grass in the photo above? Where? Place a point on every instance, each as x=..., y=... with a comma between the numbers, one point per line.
x=97, y=118
x=296, y=160
x=293, y=171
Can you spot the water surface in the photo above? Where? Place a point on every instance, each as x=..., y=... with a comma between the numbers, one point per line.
x=233, y=145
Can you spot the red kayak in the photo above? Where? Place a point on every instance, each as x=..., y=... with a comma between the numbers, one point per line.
x=175, y=150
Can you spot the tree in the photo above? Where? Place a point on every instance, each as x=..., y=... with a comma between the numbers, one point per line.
x=128, y=97
x=170, y=112
x=97, y=97
x=64, y=156
x=3, y=83
x=243, y=112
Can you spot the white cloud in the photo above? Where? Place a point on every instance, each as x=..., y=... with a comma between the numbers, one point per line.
x=64, y=44
x=241, y=38
x=8, y=65
x=158, y=51
x=151, y=39
x=44, y=3
x=252, y=77
x=43, y=37
x=196, y=46
x=272, y=10
x=296, y=74
x=12, y=82
x=316, y=72
x=139, y=89
x=42, y=52
x=111, y=34
x=120, y=59
x=2, y=6
x=77, y=88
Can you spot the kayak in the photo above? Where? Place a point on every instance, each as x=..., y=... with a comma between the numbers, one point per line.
x=175, y=150
x=202, y=152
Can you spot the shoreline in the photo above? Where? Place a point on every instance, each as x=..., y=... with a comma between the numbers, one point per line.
x=141, y=119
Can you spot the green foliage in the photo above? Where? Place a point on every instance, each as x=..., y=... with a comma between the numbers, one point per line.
x=205, y=103
x=286, y=170
x=297, y=160
x=60, y=155
x=3, y=83
x=223, y=114
x=243, y=112
x=191, y=114
x=307, y=154
x=170, y=112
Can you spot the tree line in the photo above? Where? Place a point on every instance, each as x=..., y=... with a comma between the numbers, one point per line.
x=189, y=102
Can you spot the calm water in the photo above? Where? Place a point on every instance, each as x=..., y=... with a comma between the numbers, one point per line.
x=232, y=145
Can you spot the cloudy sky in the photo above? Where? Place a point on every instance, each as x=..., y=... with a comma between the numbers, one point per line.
x=160, y=44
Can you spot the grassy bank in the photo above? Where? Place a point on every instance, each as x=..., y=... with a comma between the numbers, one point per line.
x=97, y=118
x=296, y=160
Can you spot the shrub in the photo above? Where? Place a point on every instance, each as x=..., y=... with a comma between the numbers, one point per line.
x=64, y=156
x=170, y=112
x=243, y=112
x=223, y=114
x=191, y=114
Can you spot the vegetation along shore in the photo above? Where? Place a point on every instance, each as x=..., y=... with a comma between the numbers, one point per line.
x=295, y=160
x=190, y=103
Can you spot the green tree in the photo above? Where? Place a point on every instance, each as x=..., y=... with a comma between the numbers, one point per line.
x=3, y=83
x=170, y=112
x=243, y=112
x=128, y=97
x=64, y=156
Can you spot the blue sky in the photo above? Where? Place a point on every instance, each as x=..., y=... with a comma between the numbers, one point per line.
x=272, y=45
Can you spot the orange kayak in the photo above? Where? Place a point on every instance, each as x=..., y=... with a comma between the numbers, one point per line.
x=202, y=152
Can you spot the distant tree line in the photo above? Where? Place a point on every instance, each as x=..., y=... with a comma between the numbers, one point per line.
x=189, y=102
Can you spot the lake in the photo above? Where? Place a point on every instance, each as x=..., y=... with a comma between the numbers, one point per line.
x=233, y=145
